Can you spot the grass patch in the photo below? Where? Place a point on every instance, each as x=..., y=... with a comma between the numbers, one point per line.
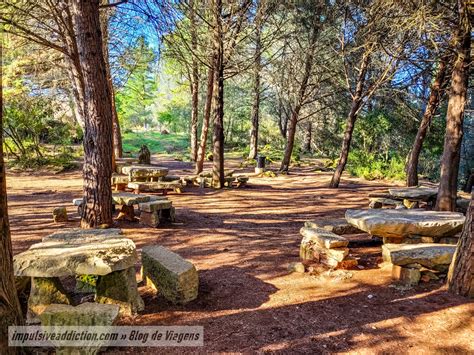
x=156, y=142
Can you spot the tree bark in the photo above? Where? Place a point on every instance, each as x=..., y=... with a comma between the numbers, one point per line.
x=446, y=200
x=117, y=136
x=218, y=98
x=461, y=271
x=308, y=137
x=256, y=87
x=194, y=85
x=430, y=110
x=205, y=122
x=10, y=312
x=97, y=170
x=351, y=119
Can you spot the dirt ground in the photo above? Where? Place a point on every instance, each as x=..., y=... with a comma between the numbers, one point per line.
x=241, y=241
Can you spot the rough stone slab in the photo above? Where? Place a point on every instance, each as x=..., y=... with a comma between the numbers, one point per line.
x=414, y=193
x=337, y=226
x=84, y=255
x=145, y=171
x=322, y=237
x=129, y=199
x=174, y=277
x=427, y=255
x=155, y=205
x=78, y=233
x=402, y=223
x=85, y=314
x=155, y=186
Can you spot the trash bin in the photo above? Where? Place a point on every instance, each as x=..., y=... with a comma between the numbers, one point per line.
x=260, y=168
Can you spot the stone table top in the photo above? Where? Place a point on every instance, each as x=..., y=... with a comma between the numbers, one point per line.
x=403, y=223
x=145, y=171
x=129, y=199
x=417, y=193
x=77, y=252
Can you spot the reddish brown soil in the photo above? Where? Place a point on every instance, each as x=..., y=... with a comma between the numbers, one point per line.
x=241, y=241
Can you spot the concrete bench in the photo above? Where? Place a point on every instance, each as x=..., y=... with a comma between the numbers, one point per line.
x=173, y=277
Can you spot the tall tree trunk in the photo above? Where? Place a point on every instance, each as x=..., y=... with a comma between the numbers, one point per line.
x=351, y=119
x=256, y=87
x=430, y=110
x=10, y=312
x=205, y=122
x=218, y=98
x=97, y=170
x=308, y=137
x=446, y=200
x=293, y=119
x=290, y=139
x=194, y=85
x=117, y=135
x=461, y=270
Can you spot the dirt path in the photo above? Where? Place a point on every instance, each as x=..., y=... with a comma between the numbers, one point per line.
x=241, y=241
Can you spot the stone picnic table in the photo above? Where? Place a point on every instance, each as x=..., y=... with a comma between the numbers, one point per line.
x=104, y=253
x=400, y=224
x=127, y=200
x=145, y=172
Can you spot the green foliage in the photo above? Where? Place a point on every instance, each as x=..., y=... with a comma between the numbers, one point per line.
x=371, y=166
x=156, y=142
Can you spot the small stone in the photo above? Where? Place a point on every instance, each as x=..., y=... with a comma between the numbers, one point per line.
x=60, y=214
x=429, y=274
x=370, y=297
x=405, y=275
x=296, y=267
x=425, y=278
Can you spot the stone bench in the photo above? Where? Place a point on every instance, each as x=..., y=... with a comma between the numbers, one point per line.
x=337, y=226
x=410, y=262
x=325, y=247
x=102, y=252
x=154, y=212
x=161, y=186
x=379, y=202
x=173, y=277
x=84, y=315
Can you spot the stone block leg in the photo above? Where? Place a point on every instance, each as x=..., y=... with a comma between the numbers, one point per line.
x=45, y=291
x=151, y=219
x=120, y=287
x=126, y=213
